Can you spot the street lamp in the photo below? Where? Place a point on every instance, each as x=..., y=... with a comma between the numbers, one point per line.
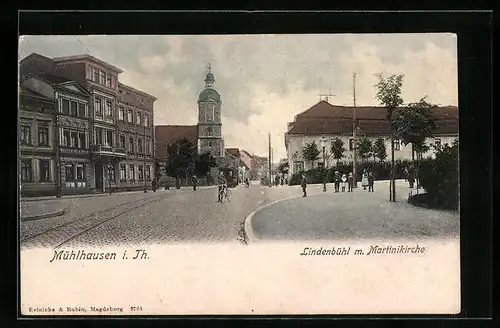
x=323, y=144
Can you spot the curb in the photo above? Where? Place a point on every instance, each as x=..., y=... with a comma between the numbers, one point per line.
x=249, y=234
x=45, y=216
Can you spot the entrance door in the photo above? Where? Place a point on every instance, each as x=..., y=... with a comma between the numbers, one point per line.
x=98, y=176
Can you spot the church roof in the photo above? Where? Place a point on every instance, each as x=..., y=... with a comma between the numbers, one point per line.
x=168, y=134
x=209, y=94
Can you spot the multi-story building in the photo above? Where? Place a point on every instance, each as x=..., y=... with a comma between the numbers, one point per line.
x=90, y=144
x=325, y=121
x=37, y=149
x=136, y=135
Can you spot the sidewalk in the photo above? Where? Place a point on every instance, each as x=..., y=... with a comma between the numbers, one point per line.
x=36, y=208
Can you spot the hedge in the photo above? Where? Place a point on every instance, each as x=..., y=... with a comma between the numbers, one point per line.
x=439, y=178
x=380, y=170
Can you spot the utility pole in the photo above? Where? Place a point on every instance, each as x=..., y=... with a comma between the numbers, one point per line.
x=354, y=128
x=269, y=159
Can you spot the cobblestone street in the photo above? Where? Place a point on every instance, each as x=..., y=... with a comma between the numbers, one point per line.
x=162, y=217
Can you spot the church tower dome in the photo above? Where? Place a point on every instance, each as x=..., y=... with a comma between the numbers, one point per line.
x=209, y=93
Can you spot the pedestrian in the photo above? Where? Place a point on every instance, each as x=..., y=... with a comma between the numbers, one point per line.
x=371, y=181
x=364, y=180
x=177, y=183
x=344, y=181
x=336, y=181
x=303, y=183
x=411, y=176
x=153, y=184
x=194, y=181
x=350, y=182
x=405, y=172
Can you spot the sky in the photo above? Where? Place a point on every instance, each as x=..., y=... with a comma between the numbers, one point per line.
x=265, y=80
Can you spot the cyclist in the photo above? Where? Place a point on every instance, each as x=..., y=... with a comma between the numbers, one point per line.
x=221, y=181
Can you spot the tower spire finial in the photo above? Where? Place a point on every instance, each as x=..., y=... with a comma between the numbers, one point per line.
x=209, y=67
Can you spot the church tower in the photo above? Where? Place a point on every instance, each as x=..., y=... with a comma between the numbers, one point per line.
x=209, y=120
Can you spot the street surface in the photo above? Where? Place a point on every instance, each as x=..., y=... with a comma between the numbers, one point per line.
x=356, y=215
x=185, y=216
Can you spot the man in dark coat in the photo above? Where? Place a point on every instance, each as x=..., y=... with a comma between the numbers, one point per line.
x=411, y=176
x=336, y=181
x=350, y=182
x=195, y=182
x=154, y=185
x=303, y=183
x=371, y=181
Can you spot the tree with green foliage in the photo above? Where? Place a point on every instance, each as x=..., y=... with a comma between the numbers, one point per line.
x=181, y=156
x=379, y=149
x=337, y=149
x=364, y=148
x=414, y=124
x=310, y=152
x=203, y=164
x=389, y=96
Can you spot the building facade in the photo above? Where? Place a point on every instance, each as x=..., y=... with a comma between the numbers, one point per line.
x=86, y=92
x=327, y=122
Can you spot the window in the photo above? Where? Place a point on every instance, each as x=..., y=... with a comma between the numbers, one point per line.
x=397, y=144
x=209, y=114
x=74, y=108
x=210, y=144
x=148, y=172
x=70, y=172
x=131, y=144
x=123, y=173
x=103, y=78
x=65, y=106
x=96, y=75
x=298, y=167
x=98, y=106
x=139, y=118
x=112, y=82
x=131, y=172
x=419, y=155
x=43, y=136
x=129, y=116
x=108, y=81
x=437, y=143
x=148, y=146
x=111, y=173
x=81, y=110
x=25, y=134
x=122, y=142
x=139, y=145
x=109, y=108
x=74, y=139
x=109, y=138
x=146, y=120
x=26, y=172
x=121, y=113
x=80, y=172
x=44, y=166
x=66, y=138
x=141, y=172
x=209, y=131
x=98, y=136
x=351, y=144
x=81, y=137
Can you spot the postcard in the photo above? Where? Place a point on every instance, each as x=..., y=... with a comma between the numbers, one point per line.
x=238, y=174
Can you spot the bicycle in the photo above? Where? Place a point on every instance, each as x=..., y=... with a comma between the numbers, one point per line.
x=224, y=193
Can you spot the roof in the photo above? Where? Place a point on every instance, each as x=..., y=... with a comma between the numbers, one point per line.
x=325, y=118
x=87, y=57
x=209, y=94
x=136, y=90
x=168, y=134
x=31, y=93
x=246, y=152
x=54, y=79
x=233, y=151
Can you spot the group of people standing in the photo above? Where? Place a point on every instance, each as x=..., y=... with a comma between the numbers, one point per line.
x=341, y=182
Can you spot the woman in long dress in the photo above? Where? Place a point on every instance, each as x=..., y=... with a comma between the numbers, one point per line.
x=364, y=180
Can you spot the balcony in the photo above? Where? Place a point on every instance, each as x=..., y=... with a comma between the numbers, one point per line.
x=108, y=151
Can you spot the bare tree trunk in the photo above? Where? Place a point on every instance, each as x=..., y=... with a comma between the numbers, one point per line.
x=392, y=182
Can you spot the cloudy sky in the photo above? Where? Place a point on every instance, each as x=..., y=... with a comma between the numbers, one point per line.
x=264, y=80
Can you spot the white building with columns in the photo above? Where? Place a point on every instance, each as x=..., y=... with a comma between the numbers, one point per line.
x=324, y=120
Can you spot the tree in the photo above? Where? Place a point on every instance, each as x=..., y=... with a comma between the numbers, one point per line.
x=203, y=164
x=379, y=149
x=337, y=149
x=414, y=124
x=310, y=152
x=389, y=95
x=364, y=147
x=181, y=157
